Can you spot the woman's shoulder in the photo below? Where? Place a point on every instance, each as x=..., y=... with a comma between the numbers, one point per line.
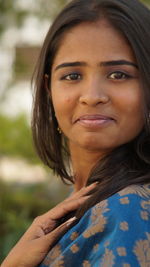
x=128, y=207
x=114, y=232
x=127, y=196
x=131, y=194
x=125, y=214
x=142, y=191
x=132, y=200
x=122, y=221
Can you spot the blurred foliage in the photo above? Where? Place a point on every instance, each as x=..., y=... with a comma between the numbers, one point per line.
x=16, y=139
x=50, y=8
x=147, y=2
x=12, y=15
x=19, y=205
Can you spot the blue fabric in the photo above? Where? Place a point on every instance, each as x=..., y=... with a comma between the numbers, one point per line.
x=115, y=232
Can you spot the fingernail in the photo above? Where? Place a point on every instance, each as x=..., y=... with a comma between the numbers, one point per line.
x=71, y=220
x=95, y=183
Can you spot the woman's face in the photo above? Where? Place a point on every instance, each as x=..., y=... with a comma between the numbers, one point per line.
x=95, y=88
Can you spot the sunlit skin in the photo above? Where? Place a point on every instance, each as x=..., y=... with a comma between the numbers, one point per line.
x=95, y=89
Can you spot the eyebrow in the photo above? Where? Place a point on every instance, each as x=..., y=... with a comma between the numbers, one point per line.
x=102, y=64
x=118, y=62
x=70, y=64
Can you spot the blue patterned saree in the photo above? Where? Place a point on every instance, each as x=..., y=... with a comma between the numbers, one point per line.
x=115, y=232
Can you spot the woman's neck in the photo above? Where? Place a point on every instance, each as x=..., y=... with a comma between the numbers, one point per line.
x=82, y=162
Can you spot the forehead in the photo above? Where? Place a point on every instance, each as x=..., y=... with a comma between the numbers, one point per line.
x=94, y=38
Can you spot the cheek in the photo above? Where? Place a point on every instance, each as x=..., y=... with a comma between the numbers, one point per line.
x=62, y=103
x=130, y=109
x=130, y=100
x=63, y=106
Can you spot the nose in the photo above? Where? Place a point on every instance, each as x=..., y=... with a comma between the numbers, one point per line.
x=93, y=94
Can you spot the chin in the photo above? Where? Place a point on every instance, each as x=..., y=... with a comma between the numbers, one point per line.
x=92, y=144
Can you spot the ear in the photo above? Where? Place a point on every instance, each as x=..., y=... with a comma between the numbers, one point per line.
x=46, y=83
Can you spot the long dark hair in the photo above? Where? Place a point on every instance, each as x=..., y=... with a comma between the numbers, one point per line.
x=129, y=163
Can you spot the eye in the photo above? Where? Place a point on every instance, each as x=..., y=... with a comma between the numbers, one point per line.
x=72, y=77
x=118, y=75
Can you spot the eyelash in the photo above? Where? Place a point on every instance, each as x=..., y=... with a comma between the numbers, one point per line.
x=75, y=74
x=69, y=75
x=126, y=76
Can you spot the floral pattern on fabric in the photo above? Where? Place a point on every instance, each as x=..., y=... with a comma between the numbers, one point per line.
x=98, y=220
x=143, y=191
x=108, y=258
x=113, y=233
x=142, y=251
x=54, y=254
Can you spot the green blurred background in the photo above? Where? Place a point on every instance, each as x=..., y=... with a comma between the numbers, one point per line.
x=27, y=188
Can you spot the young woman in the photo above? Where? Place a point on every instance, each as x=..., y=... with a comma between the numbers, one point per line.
x=91, y=125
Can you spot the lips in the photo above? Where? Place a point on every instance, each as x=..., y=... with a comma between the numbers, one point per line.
x=94, y=117
x=93, y=120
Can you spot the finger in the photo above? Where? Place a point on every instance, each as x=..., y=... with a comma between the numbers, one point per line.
x=83, y=191
x=71, y=203
x=48, y=221
x=65, y=208
x=80, y=194
x=48, y=240
x=77, y=196
x=45, y=224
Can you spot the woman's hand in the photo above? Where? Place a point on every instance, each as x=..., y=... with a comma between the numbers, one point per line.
x=43, y=233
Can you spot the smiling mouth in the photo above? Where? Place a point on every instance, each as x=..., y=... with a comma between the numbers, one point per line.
x=92, y=121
